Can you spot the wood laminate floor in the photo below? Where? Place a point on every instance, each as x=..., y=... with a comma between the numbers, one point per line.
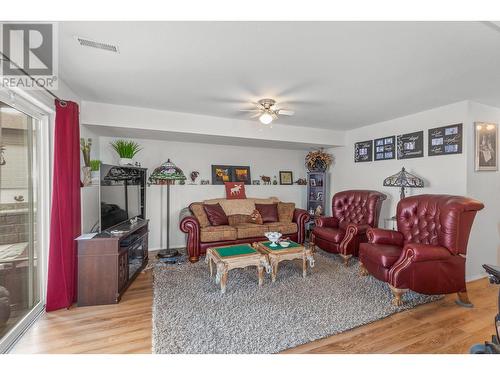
x=439, y=327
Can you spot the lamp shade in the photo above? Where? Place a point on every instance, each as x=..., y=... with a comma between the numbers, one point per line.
x=168, y=171
x=404, y=179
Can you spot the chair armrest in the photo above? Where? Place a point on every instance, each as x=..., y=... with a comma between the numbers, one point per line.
x=422, y=253
x=350, y=243
x=326, y=221
x=356, y=229
x=300, y=217
x=384, y=237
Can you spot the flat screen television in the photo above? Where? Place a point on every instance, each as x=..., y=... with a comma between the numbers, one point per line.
x=122, y=194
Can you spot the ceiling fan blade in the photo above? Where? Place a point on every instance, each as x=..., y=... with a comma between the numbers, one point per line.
x=250, y=110
x=256, y=115
x=286, y=112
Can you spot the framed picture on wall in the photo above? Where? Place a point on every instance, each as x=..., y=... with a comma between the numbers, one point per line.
x=445, y=140
x=486, y=146
x=242, y=174
x=410, y=145
x=363, y=151
x=385, y=148
x=286, y=178
x=221, y=174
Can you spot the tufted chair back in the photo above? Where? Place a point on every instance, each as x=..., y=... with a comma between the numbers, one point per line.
x=357, y=207
x=439, y=220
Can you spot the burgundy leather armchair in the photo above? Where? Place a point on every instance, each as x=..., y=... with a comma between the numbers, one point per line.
x=354, y=211
x=427, y=253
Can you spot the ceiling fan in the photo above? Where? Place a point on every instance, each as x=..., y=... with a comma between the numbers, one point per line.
x=267, y=110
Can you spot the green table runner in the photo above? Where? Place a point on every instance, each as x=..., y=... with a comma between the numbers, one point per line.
x=279, y=247
x=235, y=250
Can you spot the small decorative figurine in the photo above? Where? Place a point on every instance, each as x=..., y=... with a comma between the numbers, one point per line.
x=266, y=180
x=318, y=211
x=301, y=181
x=205, y=182
x=275, y=181
x=193, y=176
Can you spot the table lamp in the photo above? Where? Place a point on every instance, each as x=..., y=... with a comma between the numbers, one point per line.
x=167, y=174
x=404, y=180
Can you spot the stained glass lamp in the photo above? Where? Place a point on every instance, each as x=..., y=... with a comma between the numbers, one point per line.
x=167, y=174
x=403, y=180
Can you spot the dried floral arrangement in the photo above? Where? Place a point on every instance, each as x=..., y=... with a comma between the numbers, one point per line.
x=85, y=146
x=318, y=160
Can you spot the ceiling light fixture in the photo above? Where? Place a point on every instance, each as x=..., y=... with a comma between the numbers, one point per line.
x=266, y=118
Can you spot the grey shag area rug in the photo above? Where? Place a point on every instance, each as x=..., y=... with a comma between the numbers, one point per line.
x=191, y=316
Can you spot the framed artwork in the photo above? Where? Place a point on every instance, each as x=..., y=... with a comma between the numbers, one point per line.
x=445, y=140
x=230, y=173
x=363, y=151
x=385, y=148
x=312, y=181
x=410, y=145
x=286, y=178
x=486, y=146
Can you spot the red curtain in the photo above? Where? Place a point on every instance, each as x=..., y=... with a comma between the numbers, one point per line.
x=65, y=220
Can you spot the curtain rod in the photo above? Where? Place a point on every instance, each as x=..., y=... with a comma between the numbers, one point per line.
x=63, y=102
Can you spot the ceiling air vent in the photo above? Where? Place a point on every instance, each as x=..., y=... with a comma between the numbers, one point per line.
x=100, y=45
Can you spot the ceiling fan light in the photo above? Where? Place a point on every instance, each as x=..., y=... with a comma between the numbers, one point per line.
x=266, y=118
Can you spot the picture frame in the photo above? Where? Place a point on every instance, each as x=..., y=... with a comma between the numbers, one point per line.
x=312, y=181
x=230, y=173
x=286, y=178
x=410, y=145
x=385, y=148
x=363, y=151
x=445, y=140
x=486, y=146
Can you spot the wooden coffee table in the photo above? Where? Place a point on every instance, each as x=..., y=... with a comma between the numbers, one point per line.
x=226, y=258
x=278, y=254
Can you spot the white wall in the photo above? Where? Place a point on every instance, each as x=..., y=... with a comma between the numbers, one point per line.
x=200, y=157
x=442, y=174
x=449, y=174
x=484, y=242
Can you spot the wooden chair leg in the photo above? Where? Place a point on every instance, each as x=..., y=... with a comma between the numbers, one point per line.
x=346, y=259
x=398, y=294
x=362, y=270
x=463, y=300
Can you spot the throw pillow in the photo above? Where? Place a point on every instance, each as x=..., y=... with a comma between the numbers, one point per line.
x=235, y=190
x=256, y=218
x=285, y=212
x=238, y=219
x=215, y=214
x=200, y=214
x=269, y=212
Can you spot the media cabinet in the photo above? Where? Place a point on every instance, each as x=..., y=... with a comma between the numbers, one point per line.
x=108, y=263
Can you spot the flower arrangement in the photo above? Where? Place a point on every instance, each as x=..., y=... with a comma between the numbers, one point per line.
x=126, y=149
x=318, y=160
x=85, y=146
x=95, y=165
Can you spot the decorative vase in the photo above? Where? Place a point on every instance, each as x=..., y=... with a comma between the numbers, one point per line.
x=273, y=237
x=95, y=177
x=126, y=161
x=86, y=178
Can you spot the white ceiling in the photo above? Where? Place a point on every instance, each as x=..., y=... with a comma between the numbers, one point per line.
x=335, y=75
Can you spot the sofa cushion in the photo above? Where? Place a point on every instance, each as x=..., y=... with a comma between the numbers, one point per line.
x=256, y=218
x=218, y=233
x=215, y=214
x=283, y=228
x=249, y=230
x=200, y=214
x=238, y=219
x=285, y=212
x=265, y=200
x=335, y=235
x=235, y=190
x=269, y=212
x=385, y=255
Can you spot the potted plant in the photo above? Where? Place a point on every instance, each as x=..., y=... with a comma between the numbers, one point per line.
x=85, y=147
x=126, y=150
x=318, y=161
x=95, y=166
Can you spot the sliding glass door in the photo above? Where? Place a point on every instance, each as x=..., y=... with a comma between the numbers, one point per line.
x=20, y=284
